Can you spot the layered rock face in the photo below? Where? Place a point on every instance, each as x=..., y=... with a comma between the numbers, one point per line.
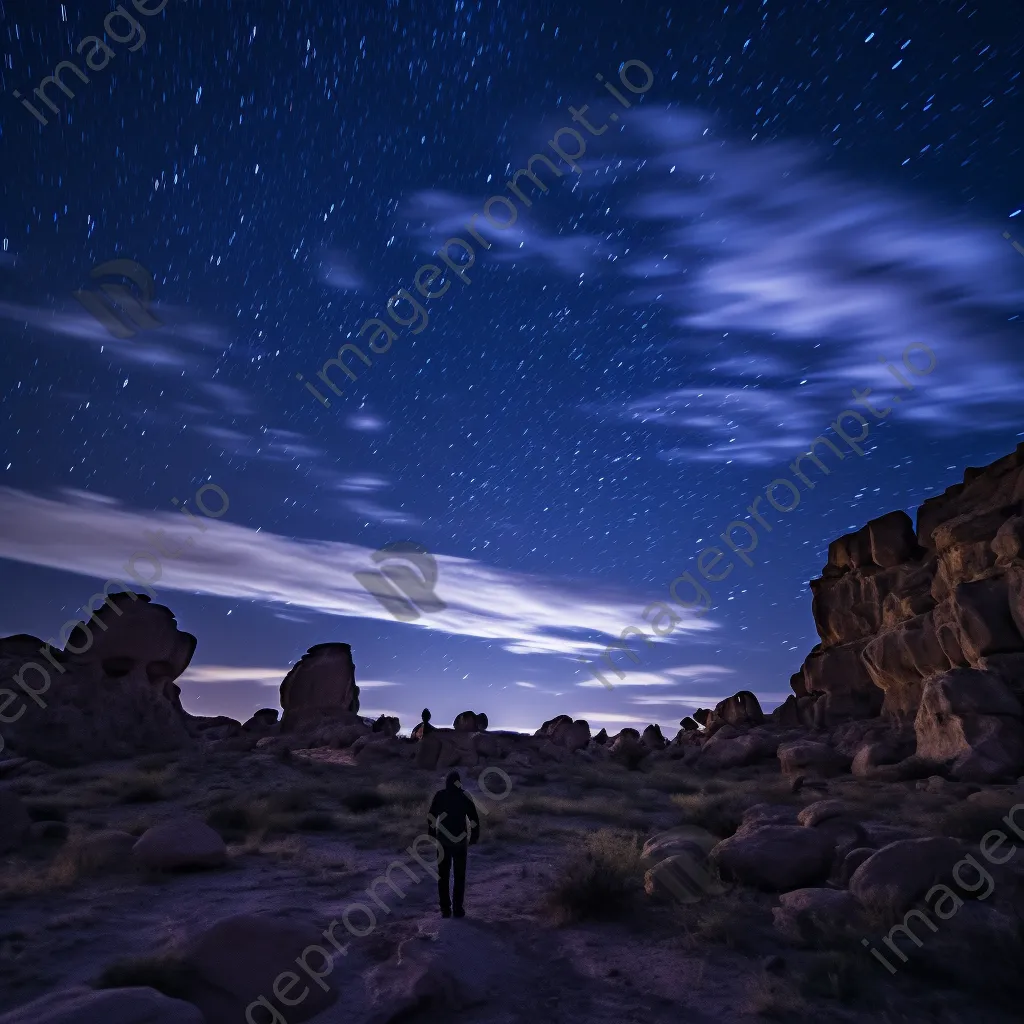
x=902, y=613
x=111, y=691
x=322, y=684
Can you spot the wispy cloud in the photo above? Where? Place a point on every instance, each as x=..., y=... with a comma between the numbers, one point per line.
x=525, y=613
x=812, y=276
x=233, y=674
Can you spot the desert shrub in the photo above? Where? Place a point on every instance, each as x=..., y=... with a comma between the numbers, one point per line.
x=600, y=881
x=231, y=820
x=362, y=800
x=290, y=801
x=133, y=787
x=718, y=812
x=315, y=821
x=167, y=974
x=833, y=974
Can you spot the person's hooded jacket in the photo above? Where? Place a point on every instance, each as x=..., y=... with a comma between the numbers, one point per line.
x=453, y=818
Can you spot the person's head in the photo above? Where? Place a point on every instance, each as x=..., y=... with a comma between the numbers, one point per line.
x=426, y=714
x=452, y=780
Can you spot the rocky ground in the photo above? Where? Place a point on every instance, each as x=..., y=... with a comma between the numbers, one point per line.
x=559, y=924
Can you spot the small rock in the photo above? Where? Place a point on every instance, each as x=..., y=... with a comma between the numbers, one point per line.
x=822, y=810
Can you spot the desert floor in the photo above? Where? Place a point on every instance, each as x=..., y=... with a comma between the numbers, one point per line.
x=558, y=927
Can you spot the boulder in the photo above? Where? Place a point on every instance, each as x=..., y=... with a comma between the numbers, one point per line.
x=741, y=709
x=677, y=840
x=264, y=721
x=685, y=876
x=971, y=718
x=724, y=750
x=423, y=726
x=601, y=738
x=844, y=869
x=564, y=732
x=775, y=857
x=82, y=1005
x=322, y=683
x=688, y=724
x=445, y=969
x=389, y=725
x=806, y=757
x=470, y=721
x=186, y=842
x=804, y=917
x=840, y=676
x=652, y=737
x=116, y=698
x=822, y=810
x=15, y=822
x=237, y=961
x=895, y=877
x=627, y=749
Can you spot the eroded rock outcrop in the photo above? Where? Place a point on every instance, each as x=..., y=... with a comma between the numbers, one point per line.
x=902, y=613
x=322, y=684
x=109, y=693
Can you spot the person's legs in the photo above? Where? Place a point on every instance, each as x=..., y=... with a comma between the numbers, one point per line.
x=444, y=870
x=459, y=860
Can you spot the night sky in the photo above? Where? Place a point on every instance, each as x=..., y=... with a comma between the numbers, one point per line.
x=804, y=190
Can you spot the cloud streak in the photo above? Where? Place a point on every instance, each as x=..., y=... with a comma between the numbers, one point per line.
x=96, y=537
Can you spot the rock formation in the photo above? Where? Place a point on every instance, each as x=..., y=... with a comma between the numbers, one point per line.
x=903, y=613
x=423, y=726
x=470, y=721
x=321, y=685
x=110, y=693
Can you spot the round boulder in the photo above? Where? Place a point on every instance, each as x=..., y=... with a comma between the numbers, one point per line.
x=186, y=842
x=895, y=877
x=805, y=915
x=776, y=858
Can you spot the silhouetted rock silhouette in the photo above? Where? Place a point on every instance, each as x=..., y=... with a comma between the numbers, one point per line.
x=454, y=822
x=423, y=726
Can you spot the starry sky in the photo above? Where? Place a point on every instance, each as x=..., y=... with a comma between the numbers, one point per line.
x=804, y=189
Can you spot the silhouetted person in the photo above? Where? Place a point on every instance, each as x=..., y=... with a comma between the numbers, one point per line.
x=453, y=820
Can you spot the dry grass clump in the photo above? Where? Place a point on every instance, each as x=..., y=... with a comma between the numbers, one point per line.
x=740, y=919
x=600, y=882
x=720, y=806
x=24, y=879
x=776, y=999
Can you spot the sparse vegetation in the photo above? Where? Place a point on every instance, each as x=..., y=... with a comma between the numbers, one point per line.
x=599, y=882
